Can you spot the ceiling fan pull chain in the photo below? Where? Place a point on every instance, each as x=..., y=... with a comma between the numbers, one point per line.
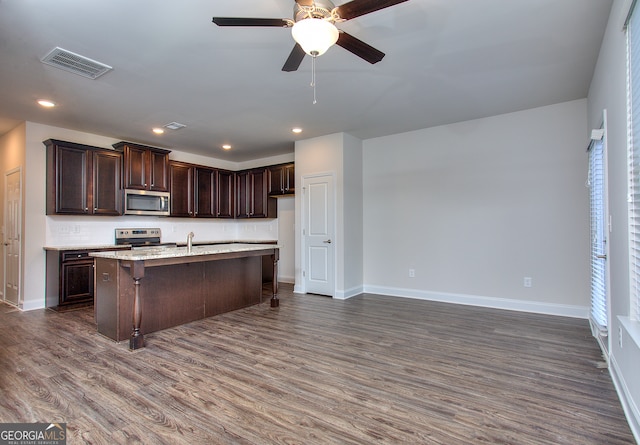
x=313, y=77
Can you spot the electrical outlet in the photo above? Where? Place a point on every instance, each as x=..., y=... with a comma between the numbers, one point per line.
x=528, y=282
x=412, y=273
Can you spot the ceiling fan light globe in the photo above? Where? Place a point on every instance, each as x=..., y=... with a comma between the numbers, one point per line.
x=315, y=36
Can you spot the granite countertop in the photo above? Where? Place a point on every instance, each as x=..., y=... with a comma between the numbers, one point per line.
x=244, y=241
x=155, y=253
x=93, y=247
x=179, y=244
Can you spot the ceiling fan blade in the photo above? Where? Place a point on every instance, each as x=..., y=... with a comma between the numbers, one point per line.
x=239, y=21
x=359, y=48
x=356, y=8
x=295, y=59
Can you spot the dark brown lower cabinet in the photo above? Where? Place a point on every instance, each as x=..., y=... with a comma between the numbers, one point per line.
x=70, y=279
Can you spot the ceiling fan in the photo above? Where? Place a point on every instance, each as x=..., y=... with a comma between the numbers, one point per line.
x=313, y=28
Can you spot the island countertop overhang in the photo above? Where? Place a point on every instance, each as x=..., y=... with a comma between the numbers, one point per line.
x=181, y=254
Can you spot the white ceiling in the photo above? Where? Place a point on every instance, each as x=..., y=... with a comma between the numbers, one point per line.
x=446, y=61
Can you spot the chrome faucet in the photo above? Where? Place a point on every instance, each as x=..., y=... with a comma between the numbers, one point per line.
x=189, y=242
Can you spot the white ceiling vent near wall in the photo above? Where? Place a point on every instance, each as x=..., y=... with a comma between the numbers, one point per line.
x=75, y=63
x=174, y=126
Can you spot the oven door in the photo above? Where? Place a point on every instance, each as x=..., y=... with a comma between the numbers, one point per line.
x=143, y=202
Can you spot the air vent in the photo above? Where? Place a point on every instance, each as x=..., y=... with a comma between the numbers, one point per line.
x=174, y=126
x=75, y=63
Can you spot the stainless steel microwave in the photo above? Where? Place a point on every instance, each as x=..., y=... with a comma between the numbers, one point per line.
x=144, y=202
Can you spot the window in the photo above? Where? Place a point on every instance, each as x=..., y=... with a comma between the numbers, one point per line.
x=633, y=42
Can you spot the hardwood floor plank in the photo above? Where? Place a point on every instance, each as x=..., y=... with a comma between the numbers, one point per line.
x=315, y=370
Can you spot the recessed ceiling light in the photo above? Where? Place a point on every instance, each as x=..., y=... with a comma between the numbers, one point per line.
x=158, y=130
x=296, y=130
x=226, y=147
x=46, y=103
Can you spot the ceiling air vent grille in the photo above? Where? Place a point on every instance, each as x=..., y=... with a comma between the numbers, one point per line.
x=75, y=63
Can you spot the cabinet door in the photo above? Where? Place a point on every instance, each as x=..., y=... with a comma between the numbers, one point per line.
x=289, y=178
x=225, y=199
x=181, y=188
x=76, y=282
x=258, y=197
x=243, y=196
x=107, y=187
x=135, y=168
x=205, y=193
x=276, y=180
x=158, y=171
x=71, y=180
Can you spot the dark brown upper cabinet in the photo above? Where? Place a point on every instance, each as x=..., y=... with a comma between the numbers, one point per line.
x=83, y=180
x=145, y=168
x=205, y=198
x=199, y=191
x=181, y=188
x=281, y=179
x=226, y=194
x=251, y=195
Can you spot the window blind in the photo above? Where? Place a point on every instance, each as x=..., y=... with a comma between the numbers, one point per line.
x=598, y=236
x=633, y=42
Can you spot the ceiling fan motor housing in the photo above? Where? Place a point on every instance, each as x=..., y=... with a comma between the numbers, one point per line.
x=319, y=9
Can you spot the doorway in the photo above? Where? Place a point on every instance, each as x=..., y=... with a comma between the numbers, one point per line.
x=12, y=236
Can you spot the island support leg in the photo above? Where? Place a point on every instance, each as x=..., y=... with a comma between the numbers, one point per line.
x=275, y=302
x=137, y=338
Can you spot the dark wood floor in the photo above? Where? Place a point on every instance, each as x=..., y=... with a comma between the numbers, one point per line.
x=370, y=369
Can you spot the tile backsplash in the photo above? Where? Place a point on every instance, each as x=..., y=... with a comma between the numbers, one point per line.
x=91, y=230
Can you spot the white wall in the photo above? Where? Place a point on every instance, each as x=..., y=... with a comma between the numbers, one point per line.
x=352, y=218
x=322, y=155
x=41, y=230
x=286, y=239
x=608, y=91
x=475, y=207
x=339, y=155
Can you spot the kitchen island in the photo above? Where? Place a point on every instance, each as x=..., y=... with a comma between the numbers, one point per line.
x=143, y=291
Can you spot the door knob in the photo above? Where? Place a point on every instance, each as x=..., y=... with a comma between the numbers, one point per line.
x=327, y=241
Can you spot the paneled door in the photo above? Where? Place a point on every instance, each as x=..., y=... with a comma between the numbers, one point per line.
x=12, y=236
x=319, y=235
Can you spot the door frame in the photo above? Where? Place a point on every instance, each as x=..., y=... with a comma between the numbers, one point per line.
x=604, y=339
x=303, y=237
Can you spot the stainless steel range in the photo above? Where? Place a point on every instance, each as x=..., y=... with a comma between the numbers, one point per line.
x=139, y=238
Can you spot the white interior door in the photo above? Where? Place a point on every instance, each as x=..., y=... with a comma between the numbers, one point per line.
x=12, y=236
x=319, y=235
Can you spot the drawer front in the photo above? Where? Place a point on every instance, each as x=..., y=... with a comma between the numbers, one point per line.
x=75, y=255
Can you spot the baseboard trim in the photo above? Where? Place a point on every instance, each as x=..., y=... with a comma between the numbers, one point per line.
x=563, y=310
x=631, y=411
x=32, y=305
x=348, y=293
x=288, y=280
